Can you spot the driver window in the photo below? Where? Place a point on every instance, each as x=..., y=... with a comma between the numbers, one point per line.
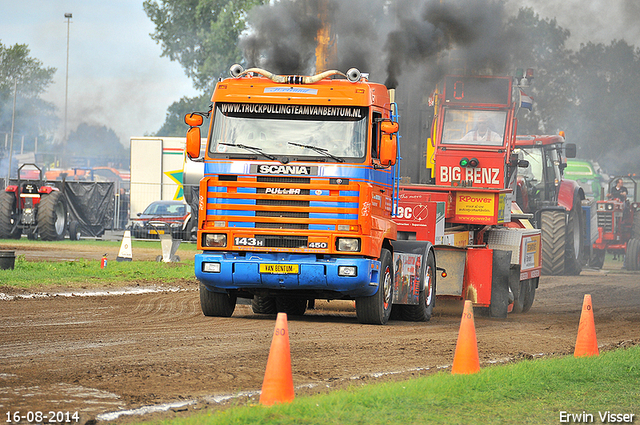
x=375, y=135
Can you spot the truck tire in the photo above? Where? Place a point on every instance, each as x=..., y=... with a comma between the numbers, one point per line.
x=528, y=293
x=427, y=297
x=216, y=304
x=376, y=309
x=575, y=234
x=553, y=226
x=291, y=306
x=632, y=256
x=263, y=305
x=52, y=216
x=7, y=218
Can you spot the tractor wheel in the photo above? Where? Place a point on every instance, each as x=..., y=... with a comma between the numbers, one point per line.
x=552, y=224
x=376, y=308
x=427, y=297
x=632, y=256
x=52, y=216
x=597, y=258
x=635, y=230
x=8, y=217
x=74, y=231
x=291, y=306
x=574, y=238
x=263, y=305
x=216, y=304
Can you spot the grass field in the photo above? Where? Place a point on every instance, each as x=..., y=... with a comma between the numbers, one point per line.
x=88, y=272
x=543, y=391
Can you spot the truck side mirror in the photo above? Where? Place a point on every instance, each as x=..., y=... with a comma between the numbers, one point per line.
x=570, y=150
x=389, y=127
x=388, y=150
x=193, y=142
x=194, y=121
x=388, y=143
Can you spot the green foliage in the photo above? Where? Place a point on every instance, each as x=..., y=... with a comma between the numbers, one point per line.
x=604, y=118
x=98, y=142
x=528, y=392
x=202, y=35
x=34, y=117
x=542, y=46
x=28, y=274
x=174, y=122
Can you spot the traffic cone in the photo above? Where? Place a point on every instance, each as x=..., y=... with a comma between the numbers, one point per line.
x=277, y=386
x=125, y=253
x=586, y=342
x=465, y=359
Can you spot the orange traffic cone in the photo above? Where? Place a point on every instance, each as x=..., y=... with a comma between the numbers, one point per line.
x=586, y=343
x=465, y=359
x=277, y=386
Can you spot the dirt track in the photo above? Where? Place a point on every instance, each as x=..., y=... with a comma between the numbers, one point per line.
x=104, y=353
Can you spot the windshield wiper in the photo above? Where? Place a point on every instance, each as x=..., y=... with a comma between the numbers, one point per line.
x=252, y=149
x=321, y=151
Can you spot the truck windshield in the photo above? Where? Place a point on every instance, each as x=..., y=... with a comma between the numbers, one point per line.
x=289, y=130
x=474, y=127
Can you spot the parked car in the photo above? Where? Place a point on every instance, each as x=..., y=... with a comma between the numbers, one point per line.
x=176, y=215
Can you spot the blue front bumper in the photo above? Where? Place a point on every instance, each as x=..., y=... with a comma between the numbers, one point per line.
x=241, y=271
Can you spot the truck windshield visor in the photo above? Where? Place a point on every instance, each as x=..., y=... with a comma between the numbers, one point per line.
x=278, y=130
x=474, y=127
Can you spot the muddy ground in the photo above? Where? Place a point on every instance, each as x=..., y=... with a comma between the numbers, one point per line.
x=116, y=356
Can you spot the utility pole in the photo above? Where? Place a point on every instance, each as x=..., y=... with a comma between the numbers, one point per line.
x=66, y=88
x=13, y=121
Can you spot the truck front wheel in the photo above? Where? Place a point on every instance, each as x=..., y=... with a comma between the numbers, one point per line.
x=216, y=304
x=427, y=296
x=376, y=308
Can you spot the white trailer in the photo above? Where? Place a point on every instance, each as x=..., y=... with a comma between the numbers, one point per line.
x=157, y=165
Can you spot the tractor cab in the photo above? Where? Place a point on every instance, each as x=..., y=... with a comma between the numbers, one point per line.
x=538, y=184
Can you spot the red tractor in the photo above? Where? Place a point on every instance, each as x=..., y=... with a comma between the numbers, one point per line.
x=556, y=203
x=32, y=207
x=619, y=226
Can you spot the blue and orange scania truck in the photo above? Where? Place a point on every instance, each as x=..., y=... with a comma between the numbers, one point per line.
x=300, y=200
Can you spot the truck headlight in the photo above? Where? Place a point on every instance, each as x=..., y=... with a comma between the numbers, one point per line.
x=217, y=240
x=348, y=244
x=211, y=267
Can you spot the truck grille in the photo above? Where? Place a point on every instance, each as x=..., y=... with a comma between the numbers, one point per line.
x=274, y=241
x=274, y=203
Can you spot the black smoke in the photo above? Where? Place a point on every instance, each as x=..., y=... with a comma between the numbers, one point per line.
x=380, y=37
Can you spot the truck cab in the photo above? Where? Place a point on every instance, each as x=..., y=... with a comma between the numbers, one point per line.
x=298, y=193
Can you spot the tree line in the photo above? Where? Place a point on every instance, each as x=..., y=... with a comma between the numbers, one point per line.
x=591, y=93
